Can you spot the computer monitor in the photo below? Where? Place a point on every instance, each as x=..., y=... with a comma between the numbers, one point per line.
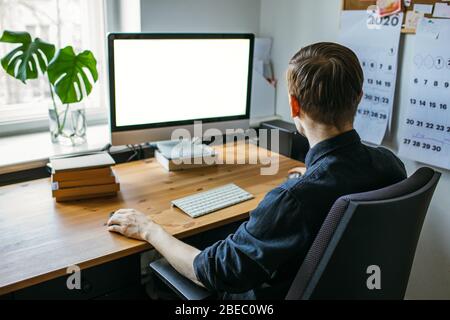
x=160, y=82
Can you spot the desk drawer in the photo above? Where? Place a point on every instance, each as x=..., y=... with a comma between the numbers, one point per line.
x=95, y=282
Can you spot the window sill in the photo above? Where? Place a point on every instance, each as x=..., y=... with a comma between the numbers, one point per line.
x=29, y=151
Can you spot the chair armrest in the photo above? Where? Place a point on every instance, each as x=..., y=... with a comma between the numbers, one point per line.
x=183, y=287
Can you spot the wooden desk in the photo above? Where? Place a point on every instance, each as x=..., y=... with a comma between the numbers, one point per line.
x=40, y=238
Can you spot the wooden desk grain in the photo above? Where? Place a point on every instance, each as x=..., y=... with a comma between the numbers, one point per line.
x=40, y=238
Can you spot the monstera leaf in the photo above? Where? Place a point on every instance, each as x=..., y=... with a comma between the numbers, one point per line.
x=67, y=73
x=22, y=62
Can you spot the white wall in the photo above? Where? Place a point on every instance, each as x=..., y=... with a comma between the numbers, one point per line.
x=123, y=15
x=293, y=24
x=130, y=15
x=200, y=15
x=296, y=23
x=112, y=15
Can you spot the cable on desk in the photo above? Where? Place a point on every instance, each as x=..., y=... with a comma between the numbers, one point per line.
x=135, y=153
x=141, y=152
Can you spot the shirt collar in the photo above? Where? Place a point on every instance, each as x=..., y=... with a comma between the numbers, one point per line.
x=325, y=147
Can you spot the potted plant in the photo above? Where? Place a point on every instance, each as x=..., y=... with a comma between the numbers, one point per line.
x=67, y=74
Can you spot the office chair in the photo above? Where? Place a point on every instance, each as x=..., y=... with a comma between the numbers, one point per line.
x=364, y=249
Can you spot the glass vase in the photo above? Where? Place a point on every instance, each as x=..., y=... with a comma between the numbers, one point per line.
x=68, y=124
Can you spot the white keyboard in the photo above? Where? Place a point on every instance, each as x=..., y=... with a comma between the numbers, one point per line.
x=212, y=200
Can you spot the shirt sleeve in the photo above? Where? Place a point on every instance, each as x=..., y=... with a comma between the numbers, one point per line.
x=249, y=257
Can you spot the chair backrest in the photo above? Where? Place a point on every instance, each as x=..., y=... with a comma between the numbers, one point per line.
x=366, y=245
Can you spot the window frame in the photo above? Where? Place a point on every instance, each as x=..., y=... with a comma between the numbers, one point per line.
x=25, y=122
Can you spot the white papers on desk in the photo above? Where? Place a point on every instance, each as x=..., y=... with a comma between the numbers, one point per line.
x=375, y=41
x=425, y=132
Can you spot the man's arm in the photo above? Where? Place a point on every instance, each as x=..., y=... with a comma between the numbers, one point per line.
x=134, y=224
x=274, y=234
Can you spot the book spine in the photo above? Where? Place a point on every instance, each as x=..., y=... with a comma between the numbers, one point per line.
x=56, y=185
x=80, y=175
x=88, y=196
x=82, y=191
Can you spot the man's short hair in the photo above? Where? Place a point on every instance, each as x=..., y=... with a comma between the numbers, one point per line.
x=327, y=80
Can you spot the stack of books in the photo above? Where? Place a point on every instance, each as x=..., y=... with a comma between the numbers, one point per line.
x=83, y=177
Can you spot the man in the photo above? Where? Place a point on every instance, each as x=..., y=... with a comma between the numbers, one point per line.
x=261, y=258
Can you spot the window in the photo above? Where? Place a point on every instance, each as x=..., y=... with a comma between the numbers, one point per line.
x=80, y=23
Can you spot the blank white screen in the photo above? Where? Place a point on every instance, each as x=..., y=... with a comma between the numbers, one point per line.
x=159, y=81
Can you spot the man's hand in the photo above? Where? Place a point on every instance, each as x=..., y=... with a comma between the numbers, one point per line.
x=136, y=225
x=131, y=223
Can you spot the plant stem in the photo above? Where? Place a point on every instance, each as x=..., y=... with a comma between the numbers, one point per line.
x=54, y=105
x=65, y=117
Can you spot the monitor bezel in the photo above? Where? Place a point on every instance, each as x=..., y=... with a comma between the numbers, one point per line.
x=138, y=36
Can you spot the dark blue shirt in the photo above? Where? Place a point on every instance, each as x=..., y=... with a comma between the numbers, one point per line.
x=261, y=259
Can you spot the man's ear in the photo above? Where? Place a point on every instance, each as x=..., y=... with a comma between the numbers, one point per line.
x=295, y=106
